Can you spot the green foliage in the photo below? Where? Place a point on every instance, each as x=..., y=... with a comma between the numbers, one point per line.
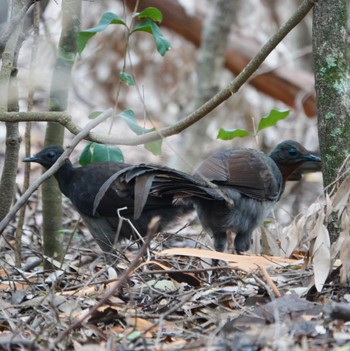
x=228, y=134
x=148, y=16
x=107, y=18
x=96, y=152
x=129, y=117
x=149, y=26
x=272, y=118
x=147, y=23
x=155, y=147
x=267, y=121
x=100, y=153
x=127, y=78
x=94, y=114
x=68, y=232
x=151, y=13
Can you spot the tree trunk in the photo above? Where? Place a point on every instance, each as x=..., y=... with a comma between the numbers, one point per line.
x=331, y=67
x=9, y=102
x=52, y=199
x=211, y=59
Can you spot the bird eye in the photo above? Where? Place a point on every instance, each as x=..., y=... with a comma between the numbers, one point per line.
x=292, y=151
x=51, y=154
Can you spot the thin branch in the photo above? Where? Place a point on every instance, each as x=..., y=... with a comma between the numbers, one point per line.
x=202, y=111
x=23, y=199
x=192, y=118
x=9, y=27
x=152, y=229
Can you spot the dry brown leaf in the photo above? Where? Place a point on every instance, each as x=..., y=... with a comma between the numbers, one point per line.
x=345, y=259
x=159, y=264
x=321, y=254
x=93, y=290
x=245, y=262
x=299, y=230
x=341, y=197
x=141, y=324
x=290, y=239
x=343, y=235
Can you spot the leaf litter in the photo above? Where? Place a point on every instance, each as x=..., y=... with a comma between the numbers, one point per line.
x=176, y=299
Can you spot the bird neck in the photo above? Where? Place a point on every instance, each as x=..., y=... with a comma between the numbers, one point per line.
x=286, y=169
x=64, y=175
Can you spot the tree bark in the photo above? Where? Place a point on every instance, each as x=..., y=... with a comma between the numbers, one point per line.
x=9, y=102
x=281, y=84
x=52, y=198
x=211, y=58
x=331, y=69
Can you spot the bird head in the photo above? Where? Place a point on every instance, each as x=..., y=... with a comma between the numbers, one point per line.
x=290, y=155
x=47, y=156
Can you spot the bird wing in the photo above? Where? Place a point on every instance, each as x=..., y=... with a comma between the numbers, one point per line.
x=248, y=171
x=87, y=184
x=158, y=186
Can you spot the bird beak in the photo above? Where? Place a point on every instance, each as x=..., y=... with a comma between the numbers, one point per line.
x=31, y=159
x=312, y=157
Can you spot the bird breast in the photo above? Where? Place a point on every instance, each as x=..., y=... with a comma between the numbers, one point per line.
x=243, y=216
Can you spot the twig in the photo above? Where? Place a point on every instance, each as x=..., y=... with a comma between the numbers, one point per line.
x=202, y=111
x=9, y=27
x=269, y=281
x=152, y=229
x=35, y=185
x=167, y=313
x=195, y=116
x=185, y=271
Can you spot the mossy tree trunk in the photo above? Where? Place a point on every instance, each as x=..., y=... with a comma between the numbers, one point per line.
x=332, y=81
x=52, y=199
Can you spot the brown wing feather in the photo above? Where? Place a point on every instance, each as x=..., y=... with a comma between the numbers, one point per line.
x=248, y=171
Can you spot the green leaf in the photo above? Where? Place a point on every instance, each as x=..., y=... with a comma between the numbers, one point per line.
x=155, y=147
x=229, y=134
x=129, y=117
x=133, y=335
x=94, y=114
x=100, y=153
x=149, y=26
x=272, y=118
x=127, y=78
x=151, y=13
x=85, y=35
x=68, y=231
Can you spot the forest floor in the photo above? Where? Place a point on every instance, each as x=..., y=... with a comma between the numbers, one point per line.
x=174, y=299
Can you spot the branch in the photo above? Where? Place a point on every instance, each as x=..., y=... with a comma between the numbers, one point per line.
x=152, y=229
x=193, y=117
x=23, y=199
x=9, y=27
x=286, y=85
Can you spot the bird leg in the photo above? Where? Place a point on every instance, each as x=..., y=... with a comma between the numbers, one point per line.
x=242, y=242
x=220, y=241
x=229, y=239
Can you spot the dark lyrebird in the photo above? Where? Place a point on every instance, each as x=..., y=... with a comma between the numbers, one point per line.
x=81, y=184
x=244, y=185
x=231, y=190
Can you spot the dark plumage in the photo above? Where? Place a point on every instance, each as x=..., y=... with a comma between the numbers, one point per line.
x=81, y=184
x=232, y=190
x=254, y=181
